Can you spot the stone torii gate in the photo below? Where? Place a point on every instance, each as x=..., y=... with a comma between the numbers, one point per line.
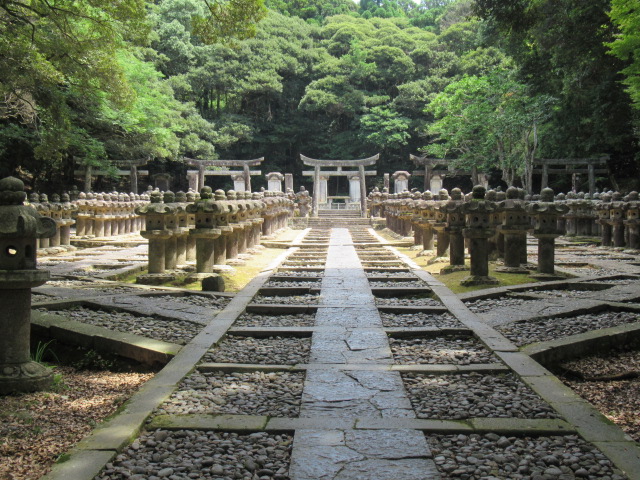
x=132, y=173
x=571, y=166
x=360, y=173
x=244, y=174
x=433, y=177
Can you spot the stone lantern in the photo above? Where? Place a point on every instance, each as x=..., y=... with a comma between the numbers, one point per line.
x=545, y=214
x=205, y=232
x=155, y=215
x=222, y=224
x=234, y=222
x=20, y=226
x=514, y=226
x=478, y=230
x=455, y=226
x=616, y=219
x=427, y=216
x=439, y=225
x=632, y=220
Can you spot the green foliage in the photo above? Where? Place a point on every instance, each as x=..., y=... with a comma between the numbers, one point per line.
x=489, y=122
x=625, y=14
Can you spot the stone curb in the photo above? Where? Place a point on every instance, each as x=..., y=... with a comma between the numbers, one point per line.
x=252, y=423
x=127, y=345
x=567, y=348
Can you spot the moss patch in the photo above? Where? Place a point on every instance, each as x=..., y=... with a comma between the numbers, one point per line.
x=452, y=280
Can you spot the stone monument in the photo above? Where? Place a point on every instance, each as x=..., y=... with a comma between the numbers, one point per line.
x=20, y=226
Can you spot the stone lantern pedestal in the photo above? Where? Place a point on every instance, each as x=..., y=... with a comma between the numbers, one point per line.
x=455, y=227
x=478, y=231
x=158, y=233
x=205, y=232
x=514, y=227
x=20, y=226
x=632, y=220
x=546, y=213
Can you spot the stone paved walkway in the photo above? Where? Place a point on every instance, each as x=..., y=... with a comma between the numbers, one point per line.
x=349, y=334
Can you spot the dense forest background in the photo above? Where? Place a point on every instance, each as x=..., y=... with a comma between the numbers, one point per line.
x=484, y=83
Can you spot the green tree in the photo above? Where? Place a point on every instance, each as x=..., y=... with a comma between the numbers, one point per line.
x=625, y=14
x=489, y=122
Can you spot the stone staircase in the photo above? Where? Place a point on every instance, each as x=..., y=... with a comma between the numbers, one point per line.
x=338, y=219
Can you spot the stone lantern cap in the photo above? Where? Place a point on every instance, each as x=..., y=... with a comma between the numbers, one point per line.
x=18, y=220
x=20, y=225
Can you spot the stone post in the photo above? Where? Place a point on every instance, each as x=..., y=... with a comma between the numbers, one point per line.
x=222, y=224
x=603, y=210
x=171, y=224
x=288, y=181
x=545, y=214
x=20, y=225
x=190, y=241
x=514, y=227
x=616, y=219
x=428, y=214
x=632, y=220
x=155, y=214
x=478, y=230
x=205, y=232
x=455, y=225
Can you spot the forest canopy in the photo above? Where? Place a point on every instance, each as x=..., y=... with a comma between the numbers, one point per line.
x=483, y=83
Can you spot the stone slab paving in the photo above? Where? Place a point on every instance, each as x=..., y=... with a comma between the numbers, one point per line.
x=353, y=334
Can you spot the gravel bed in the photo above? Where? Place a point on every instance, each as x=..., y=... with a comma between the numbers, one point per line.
x=293, y=284
x=619, y=281
x=307, y=299
x=174, y=331
x=530, y=331
x=387, y=274
x=276, y=394
x=394, y=284
x=561, y=293
x=591, y=271
x=494, y=457
x=617, y=398
x=196, y=300
x=72, y=283
x=471, y=395
x=407, y=302
x=261, y=351
x=257, y=320
x=485, y=305
x=196, y=454
x=419, y=319
x=93, y=272
x=301, y=273
x=444, y=349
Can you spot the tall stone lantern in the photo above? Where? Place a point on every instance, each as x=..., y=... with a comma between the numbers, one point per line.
x=20, y=226
x=545, y=214
x=478, y=230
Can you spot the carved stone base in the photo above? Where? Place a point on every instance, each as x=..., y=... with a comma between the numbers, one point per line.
x=24, y=377
x=438, y=260
x=453, y=268
x=156, y=278
x=478, y=280
x=548, y=277
x=519, y=269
